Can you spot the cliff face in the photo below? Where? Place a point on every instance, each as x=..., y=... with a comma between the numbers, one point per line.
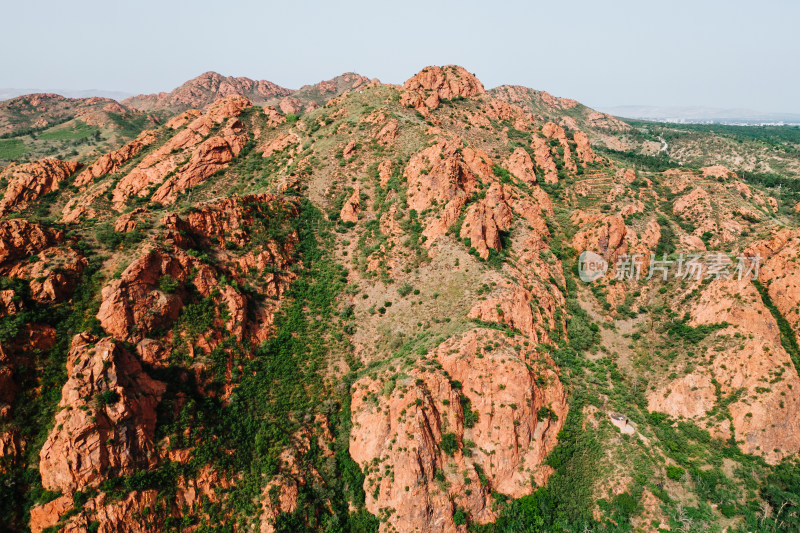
x=356, y=307
x=467, y=423
x=30, y=181
x=107, y=420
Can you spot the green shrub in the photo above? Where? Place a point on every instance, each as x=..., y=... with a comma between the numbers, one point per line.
x=459, y=517
x=449, y=443
x=107, y=397
x=404, y=289
x=675, y=472
x=168, y=284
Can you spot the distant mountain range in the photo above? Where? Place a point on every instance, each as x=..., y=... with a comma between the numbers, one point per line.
x=699, y=114
x=679, y=114
x=8, y=93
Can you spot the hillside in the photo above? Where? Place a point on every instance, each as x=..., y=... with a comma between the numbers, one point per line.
x=361, y=310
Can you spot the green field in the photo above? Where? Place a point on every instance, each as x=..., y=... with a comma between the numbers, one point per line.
x=11, y=149
x=78, y=130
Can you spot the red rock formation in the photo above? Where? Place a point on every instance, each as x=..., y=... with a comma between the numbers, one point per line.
x=605, y=236
x=129, y=221
x=290, y=105
x=765, y=420
x=48, y=514
x=133, y=305
x=485, y=219
x=206, y=155
x=584, y=149
x=20, y=238
x=444, y=173
x=385, y=172
x=349, y=149
x=280, y=143
x=210, y=156
x=349, y=212
x=554, y=131
x=425, y=90
x=205, y=89
x=274, y=118
x=544, y=159
x=182, y=119
x=28, y=182
x=52, y=276
x=388, y=133
x=488, y=397
x=42, y=110
x=136, y=512
x=107, y=420
x=112, y=161
x=779, y=273
x=702, y=209
x=520, y=165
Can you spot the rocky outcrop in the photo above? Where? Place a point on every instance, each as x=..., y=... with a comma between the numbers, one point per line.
x=42, y=110
x=554, y=131
x=129, y=221
x=49, y=514
x=141, y=304
x=544, y=159
x=442, y=439
x=754, y=377
x=30, y=181
x=712, y=212
x=583, y=148
x=107, y=420
x=779, y=273
x=205, y=155
x=444, y=173
x=349, y=212
x=244, y=221
x=136, y=300
x=136, y=512
x=388, y=133
x=290, y=106
x=519, y=163
x=605, y=235
x=20, y=239
x=51, y=268
x=486, y=219
x=280, y=143
x=426, y=90
x=113, y=161
x=210, y=156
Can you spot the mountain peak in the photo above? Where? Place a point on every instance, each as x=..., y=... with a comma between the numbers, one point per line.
x=427, y=88
x=201, y=91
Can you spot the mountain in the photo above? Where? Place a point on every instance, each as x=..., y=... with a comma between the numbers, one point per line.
x=49, y=125
x=375, y=315
x=39, y=125
x=202, y=91
x=8, y=93
x=40, y=111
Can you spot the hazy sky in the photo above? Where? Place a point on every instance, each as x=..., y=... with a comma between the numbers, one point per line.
x=602, y=52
